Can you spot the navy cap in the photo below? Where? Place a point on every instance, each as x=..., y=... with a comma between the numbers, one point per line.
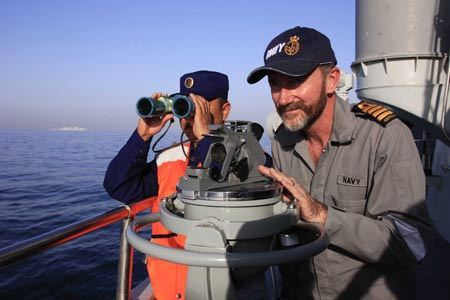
x=207, y=84
x=295, y=52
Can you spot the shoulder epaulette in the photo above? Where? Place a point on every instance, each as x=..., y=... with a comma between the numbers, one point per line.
x=377, y=112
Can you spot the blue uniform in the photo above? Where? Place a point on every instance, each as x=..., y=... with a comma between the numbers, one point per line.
x=129, y=178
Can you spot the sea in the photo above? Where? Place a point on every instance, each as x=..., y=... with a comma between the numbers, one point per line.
x=49, y=179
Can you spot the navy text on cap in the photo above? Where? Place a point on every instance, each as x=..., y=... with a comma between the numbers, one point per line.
x=295, y=52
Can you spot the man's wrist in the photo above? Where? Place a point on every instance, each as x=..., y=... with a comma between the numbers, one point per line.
x=201, y=134
x=145, y=137
x=323, y=213
x=138, y=142
x=317, y=213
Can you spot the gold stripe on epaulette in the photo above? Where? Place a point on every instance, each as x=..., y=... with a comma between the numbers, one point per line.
x=384, y=115
x=389, y=117
x=379, y=113
x=373, y=109
x=364, y=107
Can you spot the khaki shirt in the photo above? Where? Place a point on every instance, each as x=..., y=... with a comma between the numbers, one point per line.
x=371, y=178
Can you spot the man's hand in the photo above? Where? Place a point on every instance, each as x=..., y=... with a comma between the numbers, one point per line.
x=309, y=210
x=202, y=117
x=148, y=127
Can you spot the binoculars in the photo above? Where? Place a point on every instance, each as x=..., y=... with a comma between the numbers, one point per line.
x=181, y=106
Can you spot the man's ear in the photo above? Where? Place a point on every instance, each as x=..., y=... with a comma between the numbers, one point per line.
x=226, y=107
x=332, y=81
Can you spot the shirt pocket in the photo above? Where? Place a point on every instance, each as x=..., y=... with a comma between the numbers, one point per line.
x=350, y=193
x=350, y=205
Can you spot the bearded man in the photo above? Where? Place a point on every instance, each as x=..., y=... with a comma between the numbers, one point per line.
x=354, y=171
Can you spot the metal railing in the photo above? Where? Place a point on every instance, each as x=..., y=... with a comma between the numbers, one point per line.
x=62, y=235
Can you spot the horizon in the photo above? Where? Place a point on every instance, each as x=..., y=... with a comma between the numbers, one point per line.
x=85, y=64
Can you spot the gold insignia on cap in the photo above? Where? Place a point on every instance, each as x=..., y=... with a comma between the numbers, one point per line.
x=189, y=82
x=292, y=47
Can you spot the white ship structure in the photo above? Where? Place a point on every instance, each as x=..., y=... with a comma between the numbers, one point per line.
x=71, y=128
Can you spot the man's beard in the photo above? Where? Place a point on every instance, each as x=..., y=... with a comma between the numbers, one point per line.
x=311, y=113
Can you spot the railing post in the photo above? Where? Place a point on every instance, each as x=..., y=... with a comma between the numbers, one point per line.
x=125, y=269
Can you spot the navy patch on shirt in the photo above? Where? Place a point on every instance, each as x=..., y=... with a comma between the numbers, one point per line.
x=351, y=180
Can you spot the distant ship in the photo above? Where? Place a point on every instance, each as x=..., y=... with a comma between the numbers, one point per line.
x=71, y=128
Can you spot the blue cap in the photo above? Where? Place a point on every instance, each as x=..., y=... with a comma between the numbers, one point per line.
x=295, y=52
x=208, y=84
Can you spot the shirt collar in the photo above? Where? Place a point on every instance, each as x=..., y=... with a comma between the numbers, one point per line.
x=344, y=123
x=342, y=132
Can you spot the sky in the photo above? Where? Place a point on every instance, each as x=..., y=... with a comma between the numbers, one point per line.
x=85, y=63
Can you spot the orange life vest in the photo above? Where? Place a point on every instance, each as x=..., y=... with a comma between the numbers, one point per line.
x=168, y=279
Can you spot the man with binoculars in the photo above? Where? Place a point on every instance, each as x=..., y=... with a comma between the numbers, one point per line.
x=130, y=178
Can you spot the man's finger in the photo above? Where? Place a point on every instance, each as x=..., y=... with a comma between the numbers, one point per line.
x=156, y=95
x=287, y=184
x=288, y=198
x=264, y=171
x=277, y=175
x=167, y=118
x=270, y=172
x=200, y=103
